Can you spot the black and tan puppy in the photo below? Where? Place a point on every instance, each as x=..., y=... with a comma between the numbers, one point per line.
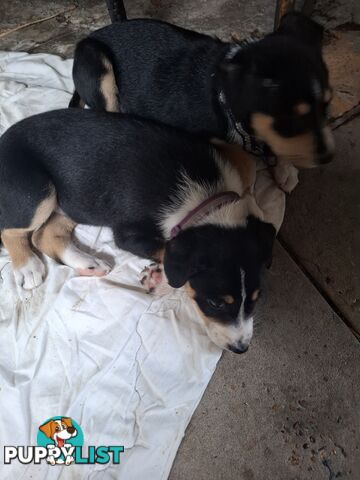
x=270, y=96
x=164, y=193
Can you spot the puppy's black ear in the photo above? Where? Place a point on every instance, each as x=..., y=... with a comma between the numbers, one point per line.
x=179, y=258
x=303, y=28
x=265, y=235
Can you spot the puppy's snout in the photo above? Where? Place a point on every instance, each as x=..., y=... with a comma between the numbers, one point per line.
x=70, y=430
x=239, y=347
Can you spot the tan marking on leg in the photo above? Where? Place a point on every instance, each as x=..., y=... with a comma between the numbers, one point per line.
x=109, y=88
x=243, y=162
x=29, y=270
x=17, y=241
x=54, y=236
x=43, y=211
x=55, y=239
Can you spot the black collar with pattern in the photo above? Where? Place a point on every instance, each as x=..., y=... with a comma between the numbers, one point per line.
x=236, y=132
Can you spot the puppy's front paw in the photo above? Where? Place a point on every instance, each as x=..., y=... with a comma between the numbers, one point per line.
x=152, y=277
x=287, y=177
x=31, y=274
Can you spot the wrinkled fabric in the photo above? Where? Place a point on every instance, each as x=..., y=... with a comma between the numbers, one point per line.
x=130, y=368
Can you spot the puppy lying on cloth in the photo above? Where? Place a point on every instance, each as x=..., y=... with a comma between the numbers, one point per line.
x=166, y=195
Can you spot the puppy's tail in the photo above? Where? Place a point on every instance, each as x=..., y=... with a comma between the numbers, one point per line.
x=94, y=77
x=117, y=10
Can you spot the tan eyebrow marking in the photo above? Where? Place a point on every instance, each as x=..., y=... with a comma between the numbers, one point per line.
x=228, y=299
x=255, y=295
x=302, y=108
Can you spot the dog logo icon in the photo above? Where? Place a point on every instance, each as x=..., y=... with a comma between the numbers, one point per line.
x=60, y=435
x=60, y=441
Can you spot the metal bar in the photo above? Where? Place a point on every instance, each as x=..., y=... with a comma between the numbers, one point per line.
x=116, y=10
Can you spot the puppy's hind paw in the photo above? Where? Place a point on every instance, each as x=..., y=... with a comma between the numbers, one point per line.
x=31, y=274
x=85, y=265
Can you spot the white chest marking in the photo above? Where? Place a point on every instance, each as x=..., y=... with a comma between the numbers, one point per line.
x=190, y=194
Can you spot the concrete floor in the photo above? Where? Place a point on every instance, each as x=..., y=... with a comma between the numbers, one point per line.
x=289, y=408
x=322, y=225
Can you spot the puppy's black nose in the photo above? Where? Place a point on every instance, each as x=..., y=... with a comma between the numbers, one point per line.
x=239, y=347
x=70, y=430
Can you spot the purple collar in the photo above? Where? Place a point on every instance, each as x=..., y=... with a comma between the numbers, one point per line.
x=207, y=206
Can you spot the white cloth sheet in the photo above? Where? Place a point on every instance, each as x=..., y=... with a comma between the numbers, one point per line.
x=128, y=367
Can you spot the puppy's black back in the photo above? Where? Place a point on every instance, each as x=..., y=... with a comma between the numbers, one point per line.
x=107, y=169
x=172, y=68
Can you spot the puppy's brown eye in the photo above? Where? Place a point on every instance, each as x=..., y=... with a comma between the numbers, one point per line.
x=216, y=304
x=57, y=428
